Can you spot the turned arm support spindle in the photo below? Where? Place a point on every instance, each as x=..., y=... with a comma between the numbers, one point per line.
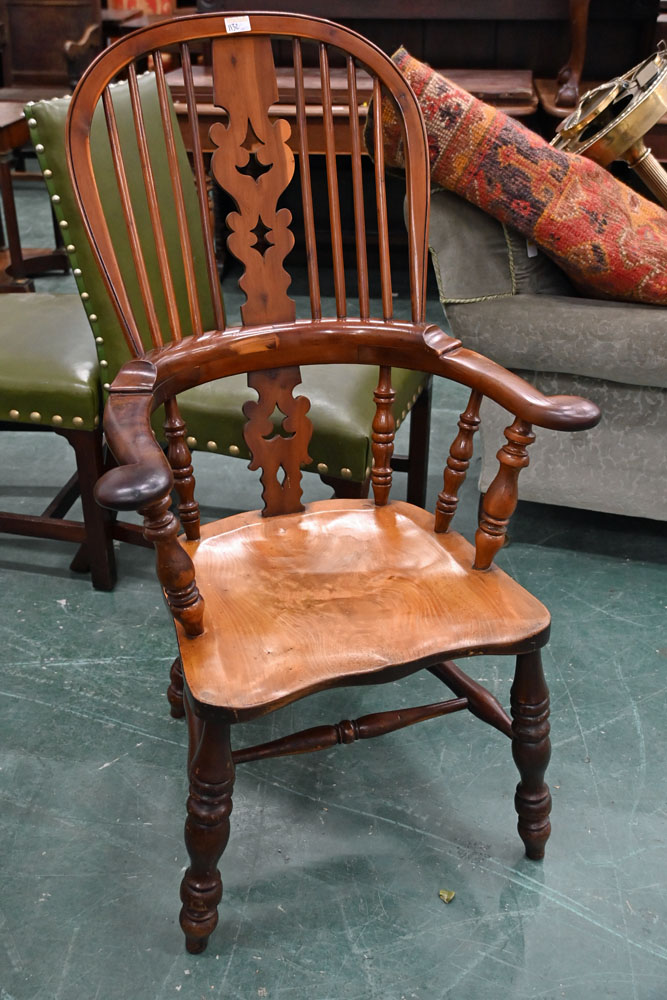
x=502, y=496
x=458, y=461
x=384, y=427
x=180, y=461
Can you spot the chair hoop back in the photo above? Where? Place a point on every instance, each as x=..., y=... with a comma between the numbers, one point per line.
x=241, y=119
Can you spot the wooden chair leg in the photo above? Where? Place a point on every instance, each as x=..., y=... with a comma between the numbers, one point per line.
x=420, y=430
x=175, y=689
x=206, y=828
x=531, y=750
x=97, y=554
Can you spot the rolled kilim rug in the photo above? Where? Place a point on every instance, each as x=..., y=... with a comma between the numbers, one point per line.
x=606, y=237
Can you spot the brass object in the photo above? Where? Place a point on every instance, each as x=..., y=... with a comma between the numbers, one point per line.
x=612, y=120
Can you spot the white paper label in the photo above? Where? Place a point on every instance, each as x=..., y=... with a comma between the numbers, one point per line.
x=235, y=24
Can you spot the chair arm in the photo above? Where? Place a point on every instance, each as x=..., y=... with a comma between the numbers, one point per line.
x=143, y=482
x=558, y=413
x=143, y=475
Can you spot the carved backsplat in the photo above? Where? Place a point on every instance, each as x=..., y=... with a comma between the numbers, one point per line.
x=271, y=451
x=254, y=165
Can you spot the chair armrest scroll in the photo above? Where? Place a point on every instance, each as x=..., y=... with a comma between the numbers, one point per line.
x=558, y=413
x=143, y=475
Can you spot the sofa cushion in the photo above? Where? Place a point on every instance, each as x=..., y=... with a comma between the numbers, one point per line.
x=617, y=341
x=475, y=257
x=606, y=237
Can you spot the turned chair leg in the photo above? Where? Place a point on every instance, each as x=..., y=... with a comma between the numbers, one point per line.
x=206, y=827
x=531, y=750
x=175, y=690
x=97, y=553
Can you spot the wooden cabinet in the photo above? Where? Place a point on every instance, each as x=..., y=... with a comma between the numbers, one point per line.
x=35, y=33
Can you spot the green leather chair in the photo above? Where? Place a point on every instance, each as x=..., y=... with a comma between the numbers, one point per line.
x=49, y=381
x=342, y=410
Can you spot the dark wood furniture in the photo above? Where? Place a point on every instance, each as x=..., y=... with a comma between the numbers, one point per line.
x=273, y=605
x=19, y=263
x=492, y=34
x=37, y=32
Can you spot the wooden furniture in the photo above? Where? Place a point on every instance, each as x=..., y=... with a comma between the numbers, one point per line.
x=38, y=32
x=569, y=78
x=491, y=34
x=49, y=382
x=21, y=264
x=273, y=605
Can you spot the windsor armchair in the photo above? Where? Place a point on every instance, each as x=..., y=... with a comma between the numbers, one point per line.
x=273, y=605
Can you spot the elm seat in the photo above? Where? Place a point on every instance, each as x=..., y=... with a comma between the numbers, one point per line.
x=296, y=579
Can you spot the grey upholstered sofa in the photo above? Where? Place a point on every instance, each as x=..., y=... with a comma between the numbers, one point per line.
x=505, y=299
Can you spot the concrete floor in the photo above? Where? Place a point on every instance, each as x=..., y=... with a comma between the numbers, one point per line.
x=335, y=861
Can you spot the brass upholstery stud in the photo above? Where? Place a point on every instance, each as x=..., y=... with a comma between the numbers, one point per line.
x=77, y=272
x=55, y=198
x=99, y=340
x=64, y=224
x=234, y=449
x=36, y=416
x=70, y=248
x=191, y=441
x=212, y=445
x=346, y=473
x=107, y=386
x=85, y=296
x=14, y=414
x=48, y=173
x=56, y=419
x=77, y=421
x=322, y=468
x=104, y=363
x=32, y=122
x=93, y=317
x=39, y=148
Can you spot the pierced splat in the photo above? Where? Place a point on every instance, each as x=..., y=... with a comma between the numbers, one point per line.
x=261, y=233
x=279, y=451
x=254, y=165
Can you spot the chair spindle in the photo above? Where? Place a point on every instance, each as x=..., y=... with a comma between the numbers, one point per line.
x=179, y=204
x=153, y=205
x=175, y=569
x=502, y=496
x=306, y=185
x=381, y=201
x=332, y=186
x=180, y=461
x=128, y=213
x=458, y=461
x=384, y=427
x=358, y=192
x=202, y=188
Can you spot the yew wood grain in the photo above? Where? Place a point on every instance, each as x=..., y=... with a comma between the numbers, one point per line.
x=346, y=589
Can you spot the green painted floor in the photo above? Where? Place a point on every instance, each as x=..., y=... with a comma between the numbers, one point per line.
x=335, y=861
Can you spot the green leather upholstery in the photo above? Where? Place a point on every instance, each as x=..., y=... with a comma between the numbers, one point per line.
x=48, y=368
x=341, y=401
